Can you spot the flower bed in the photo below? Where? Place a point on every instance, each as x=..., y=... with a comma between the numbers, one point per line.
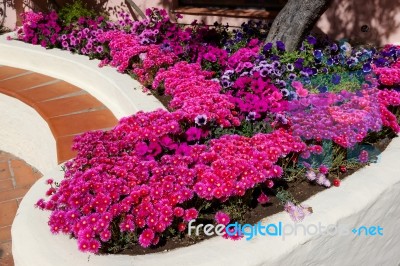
x=245, y=119
x=364, y=198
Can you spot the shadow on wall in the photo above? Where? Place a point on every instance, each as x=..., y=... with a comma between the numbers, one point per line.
x=102, y=6
x=372, y=21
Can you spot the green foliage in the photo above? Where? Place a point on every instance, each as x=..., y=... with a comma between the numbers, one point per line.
x=120, y=240
x=284, y=196
x=291, y=57
x=350, y=81
x=247, y=129
x=237, y=208
x=291, y=174
x=70, y=13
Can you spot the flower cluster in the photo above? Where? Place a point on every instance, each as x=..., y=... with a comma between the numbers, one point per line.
x=39, y=28
x=128, y=54
x=233, y=164
x=138, y=177
x=345, y=118
x=116, y=181
x=194, y=94
x=254, y=95
x=154, y=172
x=82, y=37
x=320, y=177
x=390, y=75
x=389, y=98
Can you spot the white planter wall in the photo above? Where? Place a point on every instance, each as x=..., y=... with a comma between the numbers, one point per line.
x=24, y=133
x=120, y=93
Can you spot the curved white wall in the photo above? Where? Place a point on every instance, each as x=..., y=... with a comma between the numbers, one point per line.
x=369, y=197
x=24, y=133
x=120, y=93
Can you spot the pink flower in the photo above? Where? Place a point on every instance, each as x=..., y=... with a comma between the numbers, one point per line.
x=141, y=148
x=320, y=179
x=190, y=214
x=222, y=218
x=300, y=90
x=310, y=174
x=234, y=234
x=94, y=246
x=84, y=245
x=105, y=235
x=181, y=227
x=363, y=157
x=269, y=183
x=146, y=237
x=262, y=199
x=323, y=169
x=193, y=133
x=297, y=212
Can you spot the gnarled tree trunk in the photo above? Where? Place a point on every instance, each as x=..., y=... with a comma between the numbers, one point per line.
x=295, y=20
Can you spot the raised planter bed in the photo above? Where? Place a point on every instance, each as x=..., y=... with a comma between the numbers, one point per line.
x=366, y=198
x=356, y=205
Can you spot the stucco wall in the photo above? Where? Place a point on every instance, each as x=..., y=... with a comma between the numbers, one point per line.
x=25, y=134
x=343, y=19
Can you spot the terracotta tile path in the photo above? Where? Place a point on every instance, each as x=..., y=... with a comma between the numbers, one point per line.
x=68, y=110
x=16, y=177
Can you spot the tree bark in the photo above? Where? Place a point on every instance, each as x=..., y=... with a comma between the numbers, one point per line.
x=295, y=20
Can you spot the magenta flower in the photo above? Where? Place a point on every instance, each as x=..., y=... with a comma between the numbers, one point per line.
x=168, y=143
x=323, y=169
x=193, y=134
x=300, y=90
x=262, y=199
x=222, y=218
x=183, y=150
x=269, y=183
x=154, y=148
x=364, y=156
x=179, y=212
x=94, y=246
x=84, y=245
x=105, y=236
x=146, y=238
x=141, y=148
x=190, y=214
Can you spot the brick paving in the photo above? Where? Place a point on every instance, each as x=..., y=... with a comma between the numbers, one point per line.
x=16, y=177
x=68, y=110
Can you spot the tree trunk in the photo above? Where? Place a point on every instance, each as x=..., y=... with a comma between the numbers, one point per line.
x=295, y=20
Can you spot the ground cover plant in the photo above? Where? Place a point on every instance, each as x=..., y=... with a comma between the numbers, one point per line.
x=247, y=121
